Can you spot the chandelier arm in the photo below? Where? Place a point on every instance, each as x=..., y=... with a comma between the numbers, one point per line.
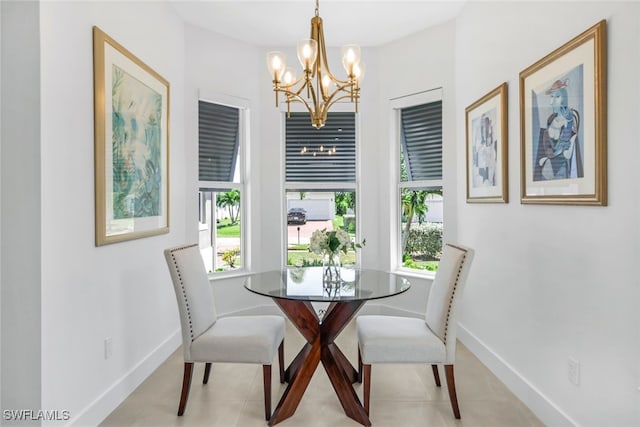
x=322, y=53
x=291, y=85
x=315, y=116
x=307, y=84
x=289, y=88
x=348, y=91
x=330, y=104
x=295, y=96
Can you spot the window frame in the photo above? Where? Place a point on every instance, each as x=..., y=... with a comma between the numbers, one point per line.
x=396, y=105
x=243, y=107
x=296, y=186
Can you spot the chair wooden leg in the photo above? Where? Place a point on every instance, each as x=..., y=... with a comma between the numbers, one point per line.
x=367, y=386
x=451, y=385
x=266, y=374
x=436, y=375
x=281, y=361
x=207, y=371
x=186, y=386
x=359, y=366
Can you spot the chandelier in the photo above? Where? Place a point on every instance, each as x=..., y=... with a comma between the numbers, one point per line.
x=318, y=89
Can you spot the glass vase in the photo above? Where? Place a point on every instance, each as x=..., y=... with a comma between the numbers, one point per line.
x=331, y=269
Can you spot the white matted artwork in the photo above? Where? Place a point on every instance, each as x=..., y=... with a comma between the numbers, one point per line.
x=131, y=107
x=563, y=121
x=486, y=141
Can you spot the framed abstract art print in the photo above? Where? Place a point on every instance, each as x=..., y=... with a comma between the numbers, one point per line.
x=486, y=131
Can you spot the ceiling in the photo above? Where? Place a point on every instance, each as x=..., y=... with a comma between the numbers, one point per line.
x=283, y=23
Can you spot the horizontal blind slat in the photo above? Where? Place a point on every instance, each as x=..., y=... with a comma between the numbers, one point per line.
x=218, y=141
x=338, y=132
x=422, y=140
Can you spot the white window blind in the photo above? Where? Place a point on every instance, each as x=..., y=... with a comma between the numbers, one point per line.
x=218, y=142
x=421, y=128
x=303, y=140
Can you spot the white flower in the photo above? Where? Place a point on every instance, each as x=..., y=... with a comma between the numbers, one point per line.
x=318, y=242
x=331, y=242
x=343, y=237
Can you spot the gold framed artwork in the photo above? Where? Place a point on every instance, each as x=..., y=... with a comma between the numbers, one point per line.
x=131, y=107
x=563, y=123
x=487, y=140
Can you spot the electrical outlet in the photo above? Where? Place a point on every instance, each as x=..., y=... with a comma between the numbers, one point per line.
x=108, y=348
x=573, y=371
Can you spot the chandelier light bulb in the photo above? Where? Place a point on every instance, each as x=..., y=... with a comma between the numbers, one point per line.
x=326, y=81
x=307, y=53
x=358, y=71
x=276, y=64
x=350, y=57
x=289, y=76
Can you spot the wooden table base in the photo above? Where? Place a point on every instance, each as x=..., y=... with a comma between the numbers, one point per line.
x=320, y=347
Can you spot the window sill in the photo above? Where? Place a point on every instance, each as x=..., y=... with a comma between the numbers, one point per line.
x=228, y=275
x=427, y=275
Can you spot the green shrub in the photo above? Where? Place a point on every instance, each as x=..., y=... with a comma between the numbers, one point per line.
x=349, y=223
x=311, y=262
x=230, y=256
x=425, y=240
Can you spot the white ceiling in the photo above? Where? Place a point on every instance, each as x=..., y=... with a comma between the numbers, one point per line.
x=283, y=23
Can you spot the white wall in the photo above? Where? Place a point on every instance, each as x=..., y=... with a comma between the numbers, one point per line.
x=121, y=291
x=553, y=282
x=20, y=199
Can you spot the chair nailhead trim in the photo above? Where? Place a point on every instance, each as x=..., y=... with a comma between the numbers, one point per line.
x=184, y=291
x=455, y=285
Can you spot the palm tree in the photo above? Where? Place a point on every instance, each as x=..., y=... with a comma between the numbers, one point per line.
x=231, y=201
x=414, y=205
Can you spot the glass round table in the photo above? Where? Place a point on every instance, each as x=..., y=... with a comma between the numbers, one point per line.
x=293, y=290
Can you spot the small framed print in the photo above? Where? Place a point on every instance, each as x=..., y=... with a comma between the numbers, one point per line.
x=131, y=107
x=486, y=140
x=563, y=124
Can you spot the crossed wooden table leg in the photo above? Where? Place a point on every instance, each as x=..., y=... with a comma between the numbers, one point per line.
x=320, y=347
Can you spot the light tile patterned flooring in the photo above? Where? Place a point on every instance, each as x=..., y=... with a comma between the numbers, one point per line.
x=401, y=395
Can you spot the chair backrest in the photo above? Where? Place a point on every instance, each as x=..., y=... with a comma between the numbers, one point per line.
x=445, y=292
x=193, y=292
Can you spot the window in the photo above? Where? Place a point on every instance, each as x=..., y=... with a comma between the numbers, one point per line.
x=420, y=201
x=320, y=183
x=221, y=186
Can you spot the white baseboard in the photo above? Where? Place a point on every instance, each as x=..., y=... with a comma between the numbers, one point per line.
x=535, y=400
x=104, y=404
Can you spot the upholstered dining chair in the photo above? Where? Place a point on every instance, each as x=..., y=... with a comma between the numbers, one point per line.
x=208, y=339
x=430, y=340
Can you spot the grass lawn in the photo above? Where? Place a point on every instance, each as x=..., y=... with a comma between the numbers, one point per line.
x=296, y=257
x=225, y=229
x=423, y=265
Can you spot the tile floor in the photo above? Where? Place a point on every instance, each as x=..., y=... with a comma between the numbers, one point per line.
x=401, y=395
